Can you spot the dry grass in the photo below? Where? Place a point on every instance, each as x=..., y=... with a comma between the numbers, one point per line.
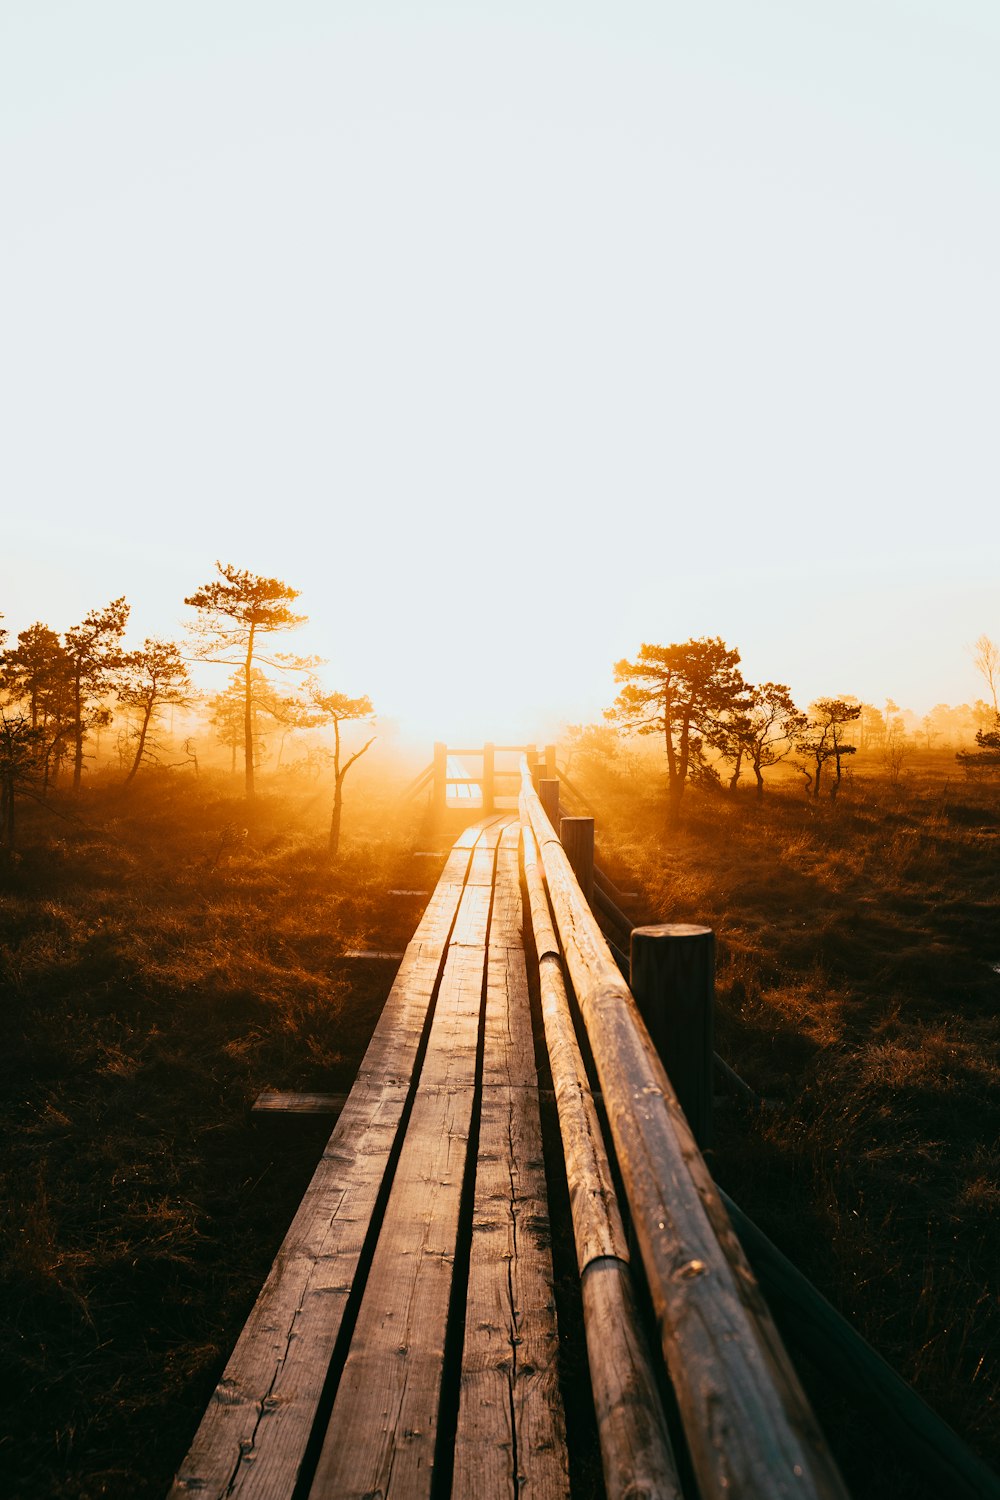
x=856, y=988
x=164, y=958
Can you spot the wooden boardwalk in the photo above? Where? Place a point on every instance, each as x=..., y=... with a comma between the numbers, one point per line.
x=407, y=1330
x=405, y=1344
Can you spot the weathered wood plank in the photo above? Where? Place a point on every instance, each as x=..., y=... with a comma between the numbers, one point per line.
x=749, y=1427
x=252, y=1439
x=380, y=954
x=382, y=1430
x=510, y=1440
x=254, y=1432
x=472, y=916
x=507, y=918
x=278, y=1102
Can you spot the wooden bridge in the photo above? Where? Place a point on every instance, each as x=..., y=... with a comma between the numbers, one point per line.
x=405, y=1345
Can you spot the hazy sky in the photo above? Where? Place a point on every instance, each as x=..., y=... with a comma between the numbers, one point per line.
x=512, y=334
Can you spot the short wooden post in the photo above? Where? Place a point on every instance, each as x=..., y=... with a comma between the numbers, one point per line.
x=489, y=778
x=440, y=776
x=548, y=794
x=577, y=838
x=550, y=762
x=673, y=980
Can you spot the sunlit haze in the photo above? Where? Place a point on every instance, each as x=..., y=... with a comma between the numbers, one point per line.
x=512, y=336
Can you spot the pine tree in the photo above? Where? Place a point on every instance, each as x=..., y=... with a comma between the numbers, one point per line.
x=148, y=680
x=94, y=654
x=684, y=692
x=234, y=611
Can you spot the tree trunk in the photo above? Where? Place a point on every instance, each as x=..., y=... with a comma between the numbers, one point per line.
x=142, y=743
x=248, y=717
x=77, y=733
x=675, y=791
x=819, y=772
x=737, y=768
x=760, y=780
x=338, y=805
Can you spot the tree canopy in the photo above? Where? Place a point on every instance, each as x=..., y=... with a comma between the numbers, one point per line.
x=338, y=709
x=685, y=692
x=233, y=611
x=93, y=651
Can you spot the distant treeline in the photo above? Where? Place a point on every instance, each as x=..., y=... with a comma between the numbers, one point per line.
x=714, y=724
x=85, y=696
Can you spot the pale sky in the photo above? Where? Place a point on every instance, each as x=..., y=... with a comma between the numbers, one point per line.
x=513, y=335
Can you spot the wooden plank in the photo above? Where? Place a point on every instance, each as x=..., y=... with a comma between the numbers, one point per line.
x=382, y=1430
x=510, y=1440
x=507, y=918
x=252, y=1439
x=372, y=953
x=749, y=1427
x=276, y=1102
x=473, y=916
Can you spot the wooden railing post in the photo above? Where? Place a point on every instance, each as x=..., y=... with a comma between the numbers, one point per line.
x=548, y=794
x=440, y=776
x=489, y=779
x=577, y=838
x=550, y=762
x=673, y=980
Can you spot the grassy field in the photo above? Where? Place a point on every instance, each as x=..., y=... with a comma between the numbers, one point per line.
x=166, y=955
x=858, y=989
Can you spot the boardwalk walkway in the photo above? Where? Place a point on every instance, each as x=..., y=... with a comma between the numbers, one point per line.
x=404, y=1344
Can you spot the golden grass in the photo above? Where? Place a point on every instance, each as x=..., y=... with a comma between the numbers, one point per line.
x=856, y=989
x=164, y=957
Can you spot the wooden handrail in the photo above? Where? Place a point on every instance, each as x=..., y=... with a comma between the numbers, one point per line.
x=500, y=749
x=749, y=1426
x=635, y=1446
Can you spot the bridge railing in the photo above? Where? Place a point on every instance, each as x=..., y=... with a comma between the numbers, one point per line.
x=443, y=777
x=749, y=1427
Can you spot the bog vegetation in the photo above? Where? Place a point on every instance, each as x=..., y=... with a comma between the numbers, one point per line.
x=173, y=939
